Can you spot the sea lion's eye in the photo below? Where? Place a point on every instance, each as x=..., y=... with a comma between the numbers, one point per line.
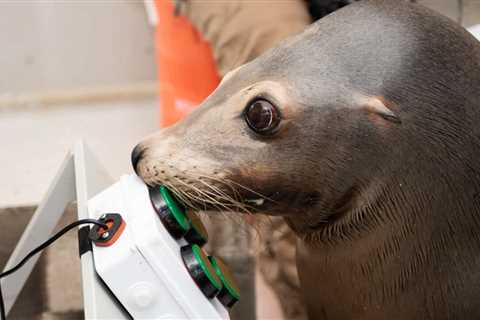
x=262, y=116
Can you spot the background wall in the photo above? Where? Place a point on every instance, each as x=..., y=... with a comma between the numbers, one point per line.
x=68, y=44
x=465, y=11
x=64, y=44
x=74, y=51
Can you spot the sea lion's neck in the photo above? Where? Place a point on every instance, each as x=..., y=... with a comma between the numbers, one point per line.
x=397, y=244
x=419, y=192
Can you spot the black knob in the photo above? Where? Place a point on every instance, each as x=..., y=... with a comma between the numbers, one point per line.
x=201, y=270
x=230, y=293
x=197, y=233
x=171, y=213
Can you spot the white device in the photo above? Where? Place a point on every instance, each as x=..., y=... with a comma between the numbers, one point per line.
x=138, y=271
x=143, y=268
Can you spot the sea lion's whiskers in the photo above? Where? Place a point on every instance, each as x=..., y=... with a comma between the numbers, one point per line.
x=201, y=194
x=181, y=196
x=197, y=195
x=235, y=202
x=229, y=183
x=229, y=201
x=222, y=202
x=224, y=183
x=198, y=202
x=223, y=212
x=220, y=191
x=227, y=205
x=251, y=190
x=199, y=198
x=215, y=191
x=232, y=204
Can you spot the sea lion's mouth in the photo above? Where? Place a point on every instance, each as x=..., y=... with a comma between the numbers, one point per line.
x=239, y=191
x=221, y=195
x=228, y=196
x=217, y=195
x=238, y=202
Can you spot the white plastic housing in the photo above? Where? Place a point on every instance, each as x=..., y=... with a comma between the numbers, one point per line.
x=144, y=268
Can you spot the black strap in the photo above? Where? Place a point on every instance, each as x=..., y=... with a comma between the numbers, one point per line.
x=84, y=242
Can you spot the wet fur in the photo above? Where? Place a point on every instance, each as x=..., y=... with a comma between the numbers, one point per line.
x=387, y=210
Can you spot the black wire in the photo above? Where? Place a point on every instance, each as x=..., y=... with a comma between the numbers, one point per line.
x=2, y=305
x=40, y=248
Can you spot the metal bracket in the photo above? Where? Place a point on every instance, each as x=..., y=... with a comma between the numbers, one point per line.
x=80, y=177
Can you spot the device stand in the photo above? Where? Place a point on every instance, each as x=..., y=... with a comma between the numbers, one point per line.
x=79, y=178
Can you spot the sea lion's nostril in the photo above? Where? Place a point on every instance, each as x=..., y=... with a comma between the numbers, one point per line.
x=137, y=154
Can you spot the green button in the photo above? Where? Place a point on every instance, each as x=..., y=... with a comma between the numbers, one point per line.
x=206, y=266
x=198, y=233
x=226, y=277
x=175, y=209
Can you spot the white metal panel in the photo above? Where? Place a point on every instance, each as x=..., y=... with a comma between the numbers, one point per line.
x=39, y=229
x=144, y=268
x=90, y=179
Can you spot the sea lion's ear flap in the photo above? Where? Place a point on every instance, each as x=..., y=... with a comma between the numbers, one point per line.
x=377, y=106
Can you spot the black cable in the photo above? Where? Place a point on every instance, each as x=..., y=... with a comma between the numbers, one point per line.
x=2, y=305
x=40, y=248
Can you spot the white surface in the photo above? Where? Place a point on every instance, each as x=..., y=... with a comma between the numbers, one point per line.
x=39, y=229
x=151, y=12
x=90, y=178
x=158, y=285
x=34, y=143
x=77, y=178
x=475, y=30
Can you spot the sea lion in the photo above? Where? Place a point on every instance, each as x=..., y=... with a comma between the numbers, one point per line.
x=362, y=132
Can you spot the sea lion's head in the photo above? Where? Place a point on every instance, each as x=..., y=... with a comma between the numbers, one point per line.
x=320, y=125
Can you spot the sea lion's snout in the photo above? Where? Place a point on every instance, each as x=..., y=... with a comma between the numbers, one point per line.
x=263, y=143
x=282, y=136
x=226, y=155
x=136, y=156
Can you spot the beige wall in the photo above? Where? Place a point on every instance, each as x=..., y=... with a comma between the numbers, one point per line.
x=451, y=8
x=47, y=44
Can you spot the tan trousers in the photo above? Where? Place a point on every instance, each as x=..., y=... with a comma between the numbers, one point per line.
x=240, y=30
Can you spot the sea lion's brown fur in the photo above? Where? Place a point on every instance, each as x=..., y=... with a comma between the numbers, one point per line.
x=375, y=165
